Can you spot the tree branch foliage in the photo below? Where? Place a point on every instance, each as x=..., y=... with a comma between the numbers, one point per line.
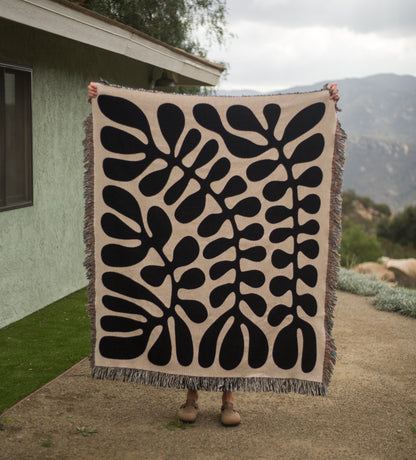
x=175, y=22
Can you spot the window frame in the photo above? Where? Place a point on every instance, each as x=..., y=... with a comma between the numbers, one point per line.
x=28, y=133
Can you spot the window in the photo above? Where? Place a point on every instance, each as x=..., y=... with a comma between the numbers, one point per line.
x=15, y=137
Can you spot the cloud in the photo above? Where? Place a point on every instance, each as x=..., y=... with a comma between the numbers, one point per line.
x=384, y=16
x=270, y=57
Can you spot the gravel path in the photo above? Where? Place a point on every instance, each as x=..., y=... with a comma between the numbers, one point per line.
x=368, y=413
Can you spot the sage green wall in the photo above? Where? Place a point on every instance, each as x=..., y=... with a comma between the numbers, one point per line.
x=41, y=247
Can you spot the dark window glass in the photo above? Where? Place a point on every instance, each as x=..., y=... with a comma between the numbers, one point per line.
x=15, y=138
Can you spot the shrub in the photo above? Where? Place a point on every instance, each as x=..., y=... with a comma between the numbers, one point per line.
x=386, y=298
x=358, y=246
x=397, y=299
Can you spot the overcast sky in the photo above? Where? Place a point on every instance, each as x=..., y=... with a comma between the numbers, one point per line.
x=283, y=43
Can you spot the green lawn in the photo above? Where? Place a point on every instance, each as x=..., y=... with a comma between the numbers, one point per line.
x=41, y=346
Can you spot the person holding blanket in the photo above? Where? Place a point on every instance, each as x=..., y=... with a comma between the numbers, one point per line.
x=188, y=412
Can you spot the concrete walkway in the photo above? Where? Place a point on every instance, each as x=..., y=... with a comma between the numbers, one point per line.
x=368, y=414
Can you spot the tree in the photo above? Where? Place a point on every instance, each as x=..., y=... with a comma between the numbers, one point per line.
x=401, y=229
x=175, y=22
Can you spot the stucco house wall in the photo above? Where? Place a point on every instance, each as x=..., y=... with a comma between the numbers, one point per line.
x=41, y=246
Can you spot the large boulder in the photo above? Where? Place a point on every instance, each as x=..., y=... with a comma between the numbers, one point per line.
x=376, y=269
x=404, y=270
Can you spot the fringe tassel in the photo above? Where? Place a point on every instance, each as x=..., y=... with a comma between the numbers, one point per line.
x=89, y=262
x=256, y=384
x=335, y=235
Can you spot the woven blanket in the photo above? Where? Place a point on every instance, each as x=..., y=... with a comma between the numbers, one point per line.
x=212, y=228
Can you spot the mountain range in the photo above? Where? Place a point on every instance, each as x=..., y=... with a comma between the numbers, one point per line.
x=379, y=117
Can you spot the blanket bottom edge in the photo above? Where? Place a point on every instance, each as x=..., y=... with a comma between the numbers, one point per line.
x=186, y=382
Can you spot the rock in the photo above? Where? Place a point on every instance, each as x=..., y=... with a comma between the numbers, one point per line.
x=376, y=269
x=404, y=270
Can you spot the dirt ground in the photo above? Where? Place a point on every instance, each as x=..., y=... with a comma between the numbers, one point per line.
x=368, y=413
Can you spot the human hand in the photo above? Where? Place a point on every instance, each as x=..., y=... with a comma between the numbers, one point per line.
x=333, y=91
x=92, y=91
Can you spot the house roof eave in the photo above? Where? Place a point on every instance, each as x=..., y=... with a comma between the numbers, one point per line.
x=69, y=20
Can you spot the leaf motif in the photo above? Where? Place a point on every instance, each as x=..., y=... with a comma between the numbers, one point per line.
x=174, y=192
x=219, y=294
x=247, y=207
x=184, y=345
x=115, y=255
x=286, y=348
x=207, y=153
x=123, y=202
x=191, y=208
x=279, y=285
x=209, y=340
x=261, y=169
x=277, y=214
x=119, y=324
x=211, y=224
x=275, y=190
x=235, y=186
x=232, y=347
x=217, y=247
x=185, y=252
x=116, y=228
x=154, y=182
x=218, y=170
x=124, y=112
x=312, y=177
x=252, y=232
x=192, y=279
x=310, y=204
x=160, y=226
x=172, y=122
x=124, y=347
x=281, y=259
x=256, y=253
x=124, y=285
x=310, y=228
x=309, y=347
x=278, y=314
x=278, y=235
x=120, y=305
x=258, y=349
x=154, y=275
x=161, y=352
x=242, y=118
x=310, y=248
x=253, y=278
x=272, y=114
x=221, y=268
x=304, y=121
x=119, y=141
x=194, y=309
x=309, y=275
x=308, y=303
x=123, y=170
x=308, y=150
x=256, y=303
x=192, y=139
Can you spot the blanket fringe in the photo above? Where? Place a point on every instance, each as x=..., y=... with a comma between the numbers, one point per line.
x=89, y=262
x=335, y=235
x=185, y=382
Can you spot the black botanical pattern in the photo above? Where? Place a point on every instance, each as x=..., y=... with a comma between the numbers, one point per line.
x=184, y=172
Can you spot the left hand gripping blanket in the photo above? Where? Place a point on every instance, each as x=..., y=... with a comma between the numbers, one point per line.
x=212, y=230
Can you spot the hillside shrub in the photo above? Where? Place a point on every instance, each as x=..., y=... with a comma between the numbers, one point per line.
x=397, y=299
x=357, y=283
x=358, y=246
x=386, y=298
